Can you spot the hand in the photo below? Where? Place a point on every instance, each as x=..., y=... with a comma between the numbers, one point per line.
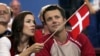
x=37, y=47
x=32, y=49
x=91, y=9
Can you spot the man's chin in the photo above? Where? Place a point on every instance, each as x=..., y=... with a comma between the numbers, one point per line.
x=2, y=20
x=53, y=31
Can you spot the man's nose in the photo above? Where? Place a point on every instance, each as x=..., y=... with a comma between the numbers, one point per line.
x=54, y=20
x=1, y=13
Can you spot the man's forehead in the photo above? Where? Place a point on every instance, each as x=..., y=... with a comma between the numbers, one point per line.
x=2, y=7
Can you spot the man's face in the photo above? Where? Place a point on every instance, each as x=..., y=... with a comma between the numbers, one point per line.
x=53, y=20
x=16, y=8
x=4, y=14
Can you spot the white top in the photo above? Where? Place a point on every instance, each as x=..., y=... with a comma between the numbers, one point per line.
x=5, y=46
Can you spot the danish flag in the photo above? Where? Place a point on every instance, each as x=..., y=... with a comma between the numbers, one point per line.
x=79, y=20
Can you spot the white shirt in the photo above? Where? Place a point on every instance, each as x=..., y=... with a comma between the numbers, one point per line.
x=5, y=46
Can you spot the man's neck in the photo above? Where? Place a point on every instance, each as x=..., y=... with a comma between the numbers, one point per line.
x=61, y=36
x=2, y=29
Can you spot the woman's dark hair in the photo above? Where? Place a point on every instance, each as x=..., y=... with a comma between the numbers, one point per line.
x=17, y=29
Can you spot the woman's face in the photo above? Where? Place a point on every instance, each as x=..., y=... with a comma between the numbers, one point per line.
x=29, y=25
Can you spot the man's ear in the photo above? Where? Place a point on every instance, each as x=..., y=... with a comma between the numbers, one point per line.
x=11, y=12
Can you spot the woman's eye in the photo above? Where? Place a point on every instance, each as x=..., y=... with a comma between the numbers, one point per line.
x=28, y=21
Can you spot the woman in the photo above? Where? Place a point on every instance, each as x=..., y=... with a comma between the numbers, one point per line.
x=23, y=28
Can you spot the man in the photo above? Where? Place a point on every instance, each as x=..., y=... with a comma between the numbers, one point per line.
x=62, y=43
x=16, y=9
x=5, y=44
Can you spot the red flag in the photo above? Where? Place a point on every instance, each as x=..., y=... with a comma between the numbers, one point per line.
x=79, y=20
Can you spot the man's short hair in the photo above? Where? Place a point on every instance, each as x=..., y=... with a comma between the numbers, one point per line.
x=53, y=7
x=9, y=9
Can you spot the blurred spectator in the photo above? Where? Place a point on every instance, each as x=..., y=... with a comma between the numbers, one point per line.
x=16, y=8
x=93, y=31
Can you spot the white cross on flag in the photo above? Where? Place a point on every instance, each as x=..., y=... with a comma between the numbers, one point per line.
x=79, y=20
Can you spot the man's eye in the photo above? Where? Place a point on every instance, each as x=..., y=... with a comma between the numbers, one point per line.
x=57, y=17
x=49, y=19
x=28, y=21
x=5, y=12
